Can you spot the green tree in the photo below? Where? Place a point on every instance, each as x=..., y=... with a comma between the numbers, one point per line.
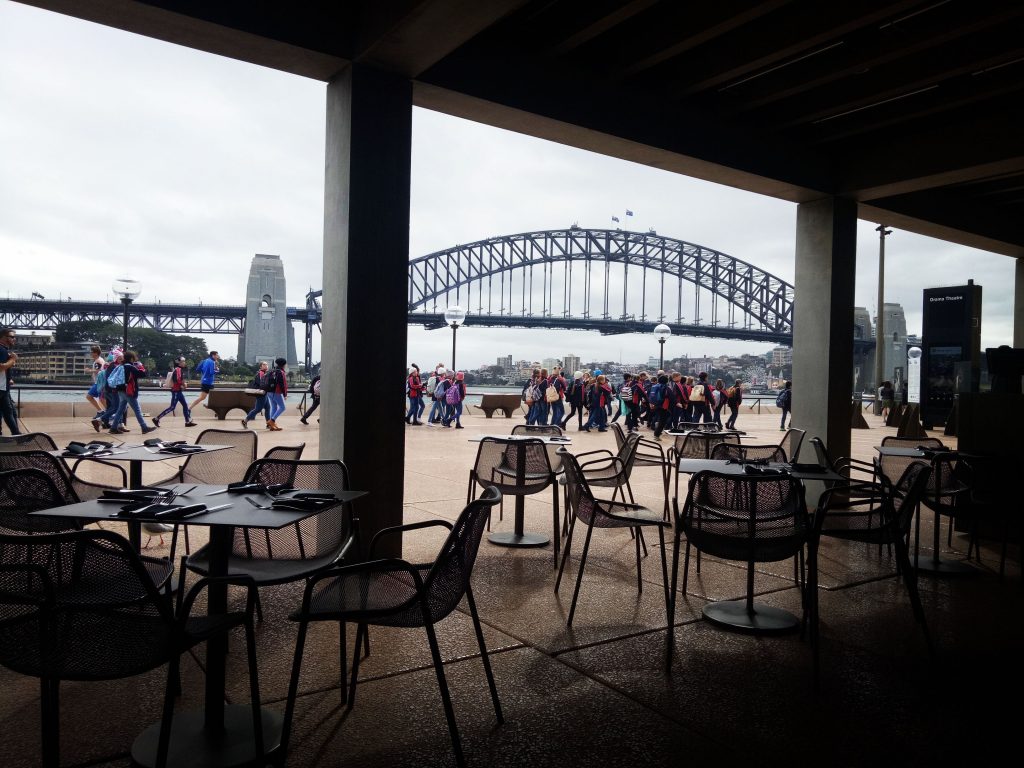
x=152, y=346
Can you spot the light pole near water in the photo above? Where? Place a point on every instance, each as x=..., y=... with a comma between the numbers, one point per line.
x=454, y=316
x=662, y=331
x=127, y=290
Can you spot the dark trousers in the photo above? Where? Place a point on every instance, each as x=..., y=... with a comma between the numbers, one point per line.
x=578, y=411
x=701, y=412
x=659, y=420
x=734, y=411
x=785, y=414
x=316, y=404
x=632, y=416
x=8, y=411
x=176, y=398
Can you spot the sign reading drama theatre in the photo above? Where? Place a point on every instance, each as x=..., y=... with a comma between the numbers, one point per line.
x=951, y=360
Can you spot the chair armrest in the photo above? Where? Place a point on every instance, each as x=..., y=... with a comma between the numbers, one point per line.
x=409, y=527
x=238, y=580
x=591, y=453
x=74, y=473
x=646, y=442
x=384, y=564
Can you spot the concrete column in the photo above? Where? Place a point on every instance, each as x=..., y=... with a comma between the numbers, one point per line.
x=826, y=254
x=1018, y=307
x=365, y=287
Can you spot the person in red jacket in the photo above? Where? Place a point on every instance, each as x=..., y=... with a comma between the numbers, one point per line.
x=130, y=395
x=413, y=390
x=176, y=381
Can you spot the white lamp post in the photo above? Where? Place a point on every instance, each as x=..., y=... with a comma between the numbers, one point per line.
x=662, y=331
x=127, y=290
x=454, y=316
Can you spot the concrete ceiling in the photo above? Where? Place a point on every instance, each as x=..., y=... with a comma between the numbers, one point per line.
x=912, y=108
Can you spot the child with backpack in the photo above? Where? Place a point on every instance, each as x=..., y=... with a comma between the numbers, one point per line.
x=785, y=402
x=129, y=392
x=733, y=398
x=661, y=405
x=314, y=391
x=454, y=396
x=574, y=395
x=700, y=395
x=717, y=401
x=600, y=396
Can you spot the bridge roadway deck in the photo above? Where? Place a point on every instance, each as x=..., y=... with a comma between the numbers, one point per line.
x=881, y=698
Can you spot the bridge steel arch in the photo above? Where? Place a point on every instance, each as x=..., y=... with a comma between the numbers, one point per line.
x=764, y=302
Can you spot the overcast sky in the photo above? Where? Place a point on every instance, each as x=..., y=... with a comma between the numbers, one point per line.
x=125, y=155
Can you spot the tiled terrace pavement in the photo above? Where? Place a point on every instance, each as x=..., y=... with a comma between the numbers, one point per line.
x=597, y=695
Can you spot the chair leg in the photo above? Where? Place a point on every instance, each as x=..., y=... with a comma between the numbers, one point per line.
x=442, y=683
x=579, y=575
x=670, y=640
x=643, y=541
x=565, y=553
x=910, y=579
x=342, y=660
x=686, y=565
x=483, y=653
x=360, y=629
x=293, y=687
x=259, y=607
x=639, y=580
x=554, y=521
x=49, y=698
x=164, y=740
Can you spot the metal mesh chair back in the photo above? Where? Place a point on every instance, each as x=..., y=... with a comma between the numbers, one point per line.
x=537, y=429
x=288, y=452
x=320, y=535
x=883, y=514
x=497, y=463
x=543, y=429
x=653, y=457
x=217, y=467
x=79, y=606
x=914, y=442
x=51, y=466
x=26, y=490
x=736, y=452
x=584, y=504
x=692, y=446
x=389, y=592
x=33, y=441
x=791, y=442
x=748, y=518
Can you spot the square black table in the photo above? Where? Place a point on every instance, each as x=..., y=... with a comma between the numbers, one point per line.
x=219, y=735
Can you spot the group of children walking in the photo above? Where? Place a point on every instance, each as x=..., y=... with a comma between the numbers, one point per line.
x=446, y=390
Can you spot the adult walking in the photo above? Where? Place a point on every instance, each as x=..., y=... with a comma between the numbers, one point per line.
x=413, y=387
x=259, y=383
x=178, y=384
x=8, y=359
x=575, y=397
x=277, y=390
x=208, y=370
x=314, y=392
x=717, y=401
x=733, y=398
x=785, y=402
x=887, y=393
x=700, y=395
x=437, y=395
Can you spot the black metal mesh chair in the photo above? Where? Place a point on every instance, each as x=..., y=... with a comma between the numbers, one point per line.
x=26, y=490
x=736, y=452
x=497, y=464
x=31, y=441
x=853, y=471
x=296, y=551
x=750, y=518
x=397, y=593
x=993, y=502
x=611, y=470
x=649, y=453
x=81, y=606
x=791, y=442
x=600, y=513
x=699, y=445
x=287, y=452
x=914, y=442
x=216, y=467
x=880, y=513
x=72, y=488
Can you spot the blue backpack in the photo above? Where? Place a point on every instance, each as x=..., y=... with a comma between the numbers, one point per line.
x=655, y=395
x=116, y=377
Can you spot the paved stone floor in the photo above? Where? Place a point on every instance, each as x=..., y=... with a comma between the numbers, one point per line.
x=597, y=695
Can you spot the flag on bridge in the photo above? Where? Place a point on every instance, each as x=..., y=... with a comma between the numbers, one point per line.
x=629, y=212
x=615, y=219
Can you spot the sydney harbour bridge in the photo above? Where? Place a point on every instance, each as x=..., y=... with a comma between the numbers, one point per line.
x=610, y=281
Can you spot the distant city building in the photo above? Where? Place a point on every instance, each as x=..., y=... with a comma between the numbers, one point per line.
x=572, y=364
x=48, y=362
x=268, y=334
x=653, y=363
x=782, y=356
x=505, y=363
x=862, y=327
x=550, y=362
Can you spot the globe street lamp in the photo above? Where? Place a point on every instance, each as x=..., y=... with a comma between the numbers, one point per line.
x=662, y=331
x=127, y=290
x=454, y=316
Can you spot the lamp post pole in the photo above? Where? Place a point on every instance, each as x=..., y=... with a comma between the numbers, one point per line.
x=880, y=320
x=662, y=331
x=127, y=303
x=454, y=316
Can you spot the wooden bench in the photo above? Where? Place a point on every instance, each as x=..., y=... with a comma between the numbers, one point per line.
x=507, y=403
x=222, y=401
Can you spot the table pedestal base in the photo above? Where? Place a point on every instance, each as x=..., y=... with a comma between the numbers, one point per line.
x=509, y=539
x=192, y=746
x=762, y=620
x=944, y=567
